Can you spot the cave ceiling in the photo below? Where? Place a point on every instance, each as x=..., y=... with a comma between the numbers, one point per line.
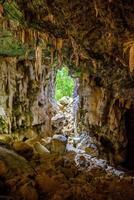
x=96, y=30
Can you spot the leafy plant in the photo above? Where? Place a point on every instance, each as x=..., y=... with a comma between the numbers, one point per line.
x=64, y=84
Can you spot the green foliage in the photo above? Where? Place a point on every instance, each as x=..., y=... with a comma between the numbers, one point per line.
x=64, y=84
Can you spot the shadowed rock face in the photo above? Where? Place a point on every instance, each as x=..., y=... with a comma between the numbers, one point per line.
x=129, y=130
x=95, y=39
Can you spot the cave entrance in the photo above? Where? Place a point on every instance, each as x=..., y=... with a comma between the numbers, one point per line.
x=129, y=123
x=66, y=98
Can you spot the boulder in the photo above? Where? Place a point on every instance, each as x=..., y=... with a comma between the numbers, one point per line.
x=61, y=138
x=58, y=144
x=40, y=149
x=15, y=163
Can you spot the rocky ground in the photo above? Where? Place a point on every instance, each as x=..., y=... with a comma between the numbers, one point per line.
x=59, y=167
x=63, y=117
x=54, y=175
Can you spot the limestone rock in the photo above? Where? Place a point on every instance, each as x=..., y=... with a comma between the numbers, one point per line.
x=57, y=123
x=58, y=144
x=61, y=138
x=40, y=149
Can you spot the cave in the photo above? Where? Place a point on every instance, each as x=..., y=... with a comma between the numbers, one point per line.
x=56, y=147
x=129, y=122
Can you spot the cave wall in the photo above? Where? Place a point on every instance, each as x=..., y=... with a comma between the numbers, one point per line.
x=25, y=102
x=102, y=111
x=26, y=79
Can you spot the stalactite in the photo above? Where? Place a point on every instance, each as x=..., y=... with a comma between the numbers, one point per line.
x=23, y=36
x=31, y=35
x=49, y=18
x=38, y=61
x=35, y=35
x=27, y=38
x=4, y=24
x=96, y=8
x=75, y=54
x=1, y=10
x=94, y=65
x=52, y=55
x=128, y=104
x=131, y=59
x=8, y=81
x=77, y=60
x=45, y=36
x=59, y=43
x=60, y=58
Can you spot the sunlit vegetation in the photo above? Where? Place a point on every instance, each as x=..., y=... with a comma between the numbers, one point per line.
x=64, y=84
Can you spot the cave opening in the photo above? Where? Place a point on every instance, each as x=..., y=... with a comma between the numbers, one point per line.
x=129, y=124
x=66, y=98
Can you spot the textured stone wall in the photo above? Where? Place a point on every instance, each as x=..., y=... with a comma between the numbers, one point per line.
x=24, y=101
x=102, y=114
